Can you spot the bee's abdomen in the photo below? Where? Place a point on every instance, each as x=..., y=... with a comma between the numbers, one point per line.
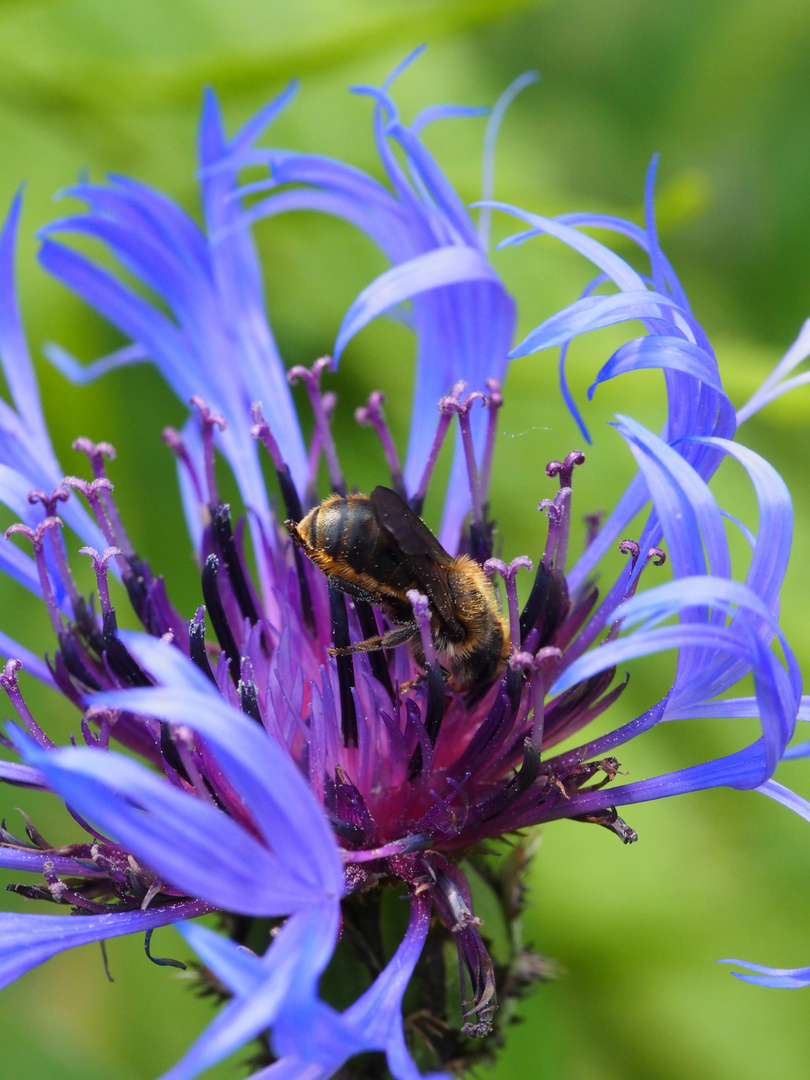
x=347, y=530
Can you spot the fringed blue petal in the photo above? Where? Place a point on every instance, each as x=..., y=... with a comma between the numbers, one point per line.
x=17, y=367
x=433, y=113
x=187, y=842
x=488, y=158
x=29, y=940
x=289, y=975
x=275, y=793
x=82, y=374
x=235, y=966
x=777, y=691
x=660, y=351
x=617, y=269
x=33, y=664
x=25, y=447
x=777, y=978
x=777, y=382
x=464, y=321
x=34, y=861
x=312, y=1039
x=685, y=508
x=22, y=775
x=432, y=270
x=743, y=769
x=218, y=343
x=593, y=313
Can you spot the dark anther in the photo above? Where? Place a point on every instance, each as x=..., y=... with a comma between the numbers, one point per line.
x=479, y=544
x=118, y=656
x=609, y=819
x=350, y=806
x=547, y=605
x=289, y=496
x=160, y=961
x=137, y=582
x=369, y=628
x=307, y=610
x=571, y=703
x=528, y=771
x=514, y=688
x=434, y=714
x=87, y=626
x=74, y=663
x=223, y=531
x=170, y=753
x=196, y=638
x=249, y=700
x=345, y=666
x=346, y=830
x=219, y=620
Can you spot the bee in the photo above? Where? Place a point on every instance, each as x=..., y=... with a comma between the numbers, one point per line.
x=376, y=548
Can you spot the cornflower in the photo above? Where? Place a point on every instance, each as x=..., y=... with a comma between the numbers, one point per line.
x=291, y=783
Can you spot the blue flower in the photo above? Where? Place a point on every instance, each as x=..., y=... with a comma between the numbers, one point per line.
x=291, y=769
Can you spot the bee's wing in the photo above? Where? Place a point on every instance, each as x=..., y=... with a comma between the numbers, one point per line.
x=424, y=556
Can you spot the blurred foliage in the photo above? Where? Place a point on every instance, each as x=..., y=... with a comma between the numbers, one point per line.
x=721, y=89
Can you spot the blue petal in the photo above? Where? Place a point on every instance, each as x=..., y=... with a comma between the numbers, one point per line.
x=594, y=313
x=235, y=966
x=433, y=113
x=490, y=139
x=274, y=791
x=187, y=842
x=34, y=861
x=82, y=374
x=778, y=978
x=774, y=978
x=16, y=359
x=777, y=384
x=15, y=773
x=798, y=750
x=442, y=266
x=291, y=968
x=29, y=940
x=657, y=351
x=33, y=664
x=741, y=770
x=267, y=115
x=686, y=509
x=318, y=1041
x=608, y=261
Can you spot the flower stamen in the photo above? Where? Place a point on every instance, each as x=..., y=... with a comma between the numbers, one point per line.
x=175, y=443
x=371, y=414
x=209, y=420
x=493, y=403
x=36, y=536
x=100, y=563
x=96, y=454
x=8, y=681
x=322, y=437
x=453, y=404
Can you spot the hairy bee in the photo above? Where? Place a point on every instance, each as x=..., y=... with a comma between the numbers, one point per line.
x=375, y=548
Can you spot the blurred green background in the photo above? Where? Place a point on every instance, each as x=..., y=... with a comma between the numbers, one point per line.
x=720, y=87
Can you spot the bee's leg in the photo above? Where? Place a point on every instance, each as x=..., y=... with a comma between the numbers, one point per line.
x=382, y=641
